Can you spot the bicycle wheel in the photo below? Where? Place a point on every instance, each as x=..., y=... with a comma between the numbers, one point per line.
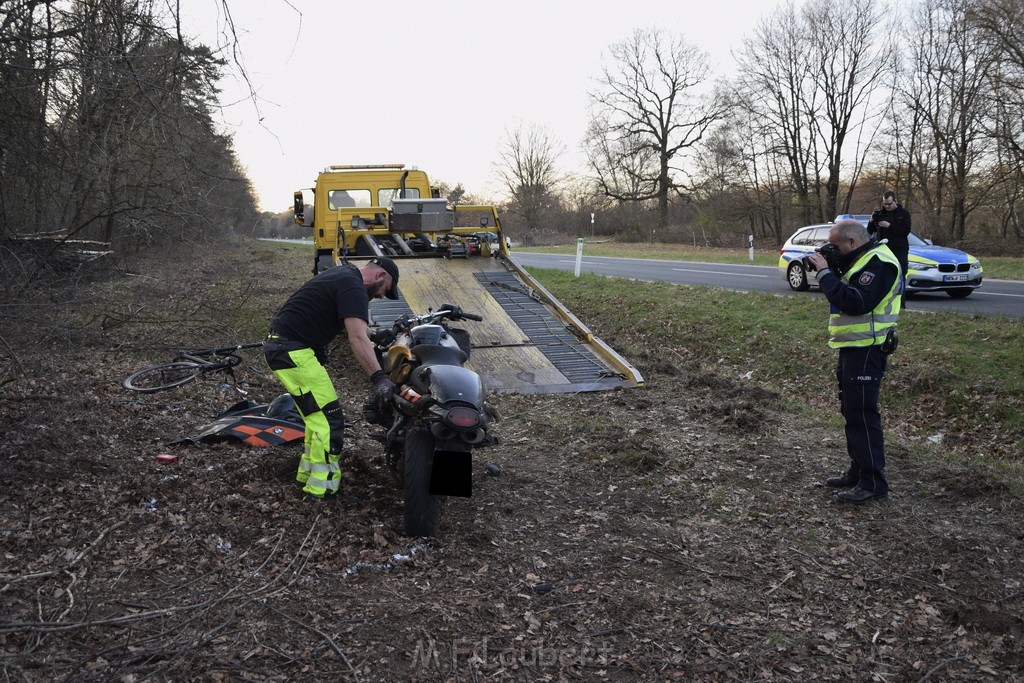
x=164, y=376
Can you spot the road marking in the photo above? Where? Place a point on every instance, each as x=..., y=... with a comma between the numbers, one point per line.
x=717, y=272
x=685, y=270
x=593, y=260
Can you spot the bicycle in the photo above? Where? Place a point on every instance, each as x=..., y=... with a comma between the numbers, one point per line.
x=187, y=367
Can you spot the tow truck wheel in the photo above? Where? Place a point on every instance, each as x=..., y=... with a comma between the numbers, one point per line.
x=797, y=277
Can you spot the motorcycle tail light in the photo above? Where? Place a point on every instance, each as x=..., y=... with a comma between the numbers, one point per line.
x=462, y=417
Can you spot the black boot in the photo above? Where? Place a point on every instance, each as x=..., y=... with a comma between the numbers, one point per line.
x=845, y=481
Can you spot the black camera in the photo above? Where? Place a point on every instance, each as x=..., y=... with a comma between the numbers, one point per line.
x=832, y=258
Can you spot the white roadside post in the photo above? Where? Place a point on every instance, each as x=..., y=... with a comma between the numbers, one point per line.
x=750, y=252
x=579, y=255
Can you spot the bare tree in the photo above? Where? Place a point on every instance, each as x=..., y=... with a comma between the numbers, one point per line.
x=528, y=169
x=646, y=112
x=847, y=66
x=1000, y=24
x=807, y=77
x=775, y=90
x=949, y=95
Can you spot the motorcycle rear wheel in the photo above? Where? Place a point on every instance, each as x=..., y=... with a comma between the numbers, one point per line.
x=422, y=510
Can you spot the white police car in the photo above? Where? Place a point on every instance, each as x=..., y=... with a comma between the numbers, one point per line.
x=930, y=268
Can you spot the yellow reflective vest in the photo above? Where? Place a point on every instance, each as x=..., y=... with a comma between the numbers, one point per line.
x=867, y=329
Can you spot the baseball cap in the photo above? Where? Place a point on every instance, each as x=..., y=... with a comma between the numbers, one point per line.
x=392, y=270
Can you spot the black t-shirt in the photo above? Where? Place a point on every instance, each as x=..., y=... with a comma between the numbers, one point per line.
x=315, y=314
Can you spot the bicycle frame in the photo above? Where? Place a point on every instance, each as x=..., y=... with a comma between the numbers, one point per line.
x=187, y=367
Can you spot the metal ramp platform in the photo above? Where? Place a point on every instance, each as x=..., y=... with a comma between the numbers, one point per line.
x=527, y=343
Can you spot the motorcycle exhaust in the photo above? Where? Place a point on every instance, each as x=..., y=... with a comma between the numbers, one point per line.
x=474, y=437
x=442, y=431
x=445, y=433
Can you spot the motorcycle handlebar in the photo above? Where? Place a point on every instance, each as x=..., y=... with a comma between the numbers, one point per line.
x=452, y=313
x=385, y=336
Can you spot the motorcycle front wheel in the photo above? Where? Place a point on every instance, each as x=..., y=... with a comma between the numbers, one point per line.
x=422, y=510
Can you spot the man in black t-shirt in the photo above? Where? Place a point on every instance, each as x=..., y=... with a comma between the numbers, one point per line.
x=336, y=300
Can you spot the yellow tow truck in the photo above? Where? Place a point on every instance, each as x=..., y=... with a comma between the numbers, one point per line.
x=528, y=343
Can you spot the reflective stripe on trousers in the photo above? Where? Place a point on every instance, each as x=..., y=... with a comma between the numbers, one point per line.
x=310, y=386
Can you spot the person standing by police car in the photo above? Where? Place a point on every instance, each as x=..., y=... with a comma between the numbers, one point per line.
x=335, y=300
x=864, y=299
x=892, y=223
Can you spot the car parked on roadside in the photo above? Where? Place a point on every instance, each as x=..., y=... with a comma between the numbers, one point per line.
x=492, y=239
x=930, y=269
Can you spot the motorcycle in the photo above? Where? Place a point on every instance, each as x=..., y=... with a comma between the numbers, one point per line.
x=437, y=416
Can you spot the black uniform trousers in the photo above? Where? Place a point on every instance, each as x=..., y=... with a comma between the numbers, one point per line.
x=859, y=372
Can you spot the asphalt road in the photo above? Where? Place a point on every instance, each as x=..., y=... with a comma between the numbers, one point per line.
x=994, y=297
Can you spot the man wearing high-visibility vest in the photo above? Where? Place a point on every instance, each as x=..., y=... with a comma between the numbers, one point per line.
x=864, y=298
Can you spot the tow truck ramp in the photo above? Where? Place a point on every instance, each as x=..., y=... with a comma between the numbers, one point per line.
x=528, y=343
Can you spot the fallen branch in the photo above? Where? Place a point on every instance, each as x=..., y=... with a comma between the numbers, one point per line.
x=777, y=586
x=12, y=580
x=941, y=665
x=53, y=627
x=674, y=560
x=36, y=397
x=954, y=591
x=327, y=638
x=13, y=356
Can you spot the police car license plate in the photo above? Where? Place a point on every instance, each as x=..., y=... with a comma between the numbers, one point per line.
x=959, y=277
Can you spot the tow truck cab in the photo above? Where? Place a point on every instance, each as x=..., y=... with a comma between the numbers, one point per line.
x=386, y=210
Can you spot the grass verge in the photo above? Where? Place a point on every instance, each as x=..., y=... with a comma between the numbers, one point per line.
x=948, y=384
x=1001, y=267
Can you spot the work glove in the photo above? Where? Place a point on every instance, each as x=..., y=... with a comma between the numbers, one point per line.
x=377, y=406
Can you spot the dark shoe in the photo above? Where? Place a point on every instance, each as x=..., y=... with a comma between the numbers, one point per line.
x=347, y=499
x=340, y=496
x=859, y=496
x=843, y=482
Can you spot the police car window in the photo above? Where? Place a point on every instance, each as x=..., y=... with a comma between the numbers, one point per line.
x=820, y=236
x=804, y=238
x=347, y=199
x=387, y=195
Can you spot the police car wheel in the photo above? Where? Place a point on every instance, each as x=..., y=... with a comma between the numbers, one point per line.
x=796, y=277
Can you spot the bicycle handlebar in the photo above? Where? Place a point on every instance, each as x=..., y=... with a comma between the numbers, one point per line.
x=223, y=350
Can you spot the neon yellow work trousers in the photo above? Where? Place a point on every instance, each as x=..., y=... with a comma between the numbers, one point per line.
x=307, y=381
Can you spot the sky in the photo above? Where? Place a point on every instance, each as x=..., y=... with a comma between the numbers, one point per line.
x=435, y=85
